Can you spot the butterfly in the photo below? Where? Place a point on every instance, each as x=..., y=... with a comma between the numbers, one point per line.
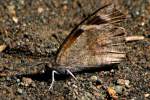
x=97, y=42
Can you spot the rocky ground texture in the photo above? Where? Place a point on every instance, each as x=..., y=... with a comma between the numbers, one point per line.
x=32, y=31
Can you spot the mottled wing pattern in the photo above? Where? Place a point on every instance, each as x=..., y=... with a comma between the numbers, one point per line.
x=97, y=42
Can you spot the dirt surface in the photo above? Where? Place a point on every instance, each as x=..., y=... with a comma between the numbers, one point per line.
x=33, y=30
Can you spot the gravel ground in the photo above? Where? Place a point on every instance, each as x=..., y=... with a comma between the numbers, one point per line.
x=33, y=30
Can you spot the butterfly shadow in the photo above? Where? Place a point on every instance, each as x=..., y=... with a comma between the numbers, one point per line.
x=46, y=74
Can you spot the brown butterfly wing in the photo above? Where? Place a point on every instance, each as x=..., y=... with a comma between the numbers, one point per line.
x=102, y=44
x=99, y=42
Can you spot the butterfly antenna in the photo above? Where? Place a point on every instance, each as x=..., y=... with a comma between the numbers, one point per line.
x=53, y=79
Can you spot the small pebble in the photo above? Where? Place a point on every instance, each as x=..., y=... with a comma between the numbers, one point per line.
x=33, y=85
x=142, y=24
x=20, y=91
x=40, y=10
x=98, y=82
x=18, y=80
x=15, y=19
x=137, y=12
x=123, y=82
x=112, y=71
x=127, y=82
x=146, y=95
x=75, y=86
x=94, y=78
x=42, y=83
x=118, y=89
x=112, y=92
x=120, y=81
x=2, y=47
x=26, y=81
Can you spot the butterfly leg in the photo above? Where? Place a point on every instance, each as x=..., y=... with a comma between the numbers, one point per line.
x=71, y=74
x=53, y=78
